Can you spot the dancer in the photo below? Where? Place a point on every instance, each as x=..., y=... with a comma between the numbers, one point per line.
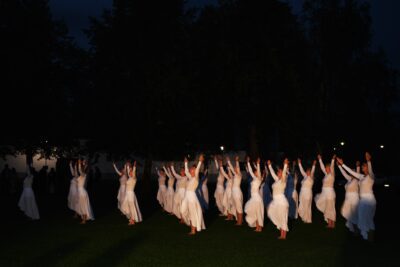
x=122, y=184
x=73, y=189
x=181, y=181
x=279, y=206
x=83, y=207
x=130, y=206
x=191, y=209
x=306, y=195
x=27, y=201
x=169, y=198
x=227, y=202
x=254, y=207
x=367, y=204
x=325, y=201
x=162, y=189
x=219, y=190
x=350, y=204
x=237, y=195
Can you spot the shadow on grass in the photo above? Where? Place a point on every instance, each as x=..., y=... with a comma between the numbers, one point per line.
x=117, y=253
x=55, y=255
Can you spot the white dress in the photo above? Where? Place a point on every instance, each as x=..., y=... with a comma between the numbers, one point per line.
x=254, y=207
x=325, y=200
x=122, y=185
x=179, y=192
x=350, y=204
x=83, y=205
x=162, y=190
x=130, y=206
x=73, y=189
x=237, y=195
x=367, y=204
x=306, y=195
x=27, y=202
x=278, y=209
x=169, y=198
x=191, y=209
x=227, y=201
x=219, y=190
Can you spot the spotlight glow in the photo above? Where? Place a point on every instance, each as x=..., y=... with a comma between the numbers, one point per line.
x=342, y=143
x=222, y=148
x=386, y=185
x=382, y=146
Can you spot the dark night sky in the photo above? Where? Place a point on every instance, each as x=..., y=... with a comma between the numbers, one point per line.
x=384, y=13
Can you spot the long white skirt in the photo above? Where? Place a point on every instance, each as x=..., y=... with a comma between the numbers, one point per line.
x=349, y=209
x=83, y=206
x=219, y=197
x=204, y=188
x=162, y=195
x=169, y=200
x=27, y=204
x=278, y=211
x=325, y=202
x=254, y=209
x=191, y=211
x=178, y=198
x=72, y=196
x=237, y=200
x=228, y=203
x=305, y=211
x=121, y=195
x=366, y=213
x=130, y=207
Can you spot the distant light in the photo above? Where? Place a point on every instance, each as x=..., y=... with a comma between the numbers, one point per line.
x=386, y=185
x=382, y=146
x=222, y=148
x=188, y=156
x=342, y=143
x=334, y=148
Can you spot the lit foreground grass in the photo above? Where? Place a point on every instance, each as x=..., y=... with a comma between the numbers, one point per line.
x=58, y=240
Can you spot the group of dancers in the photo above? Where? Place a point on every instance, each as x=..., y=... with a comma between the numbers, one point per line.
x=283, y=203
x=186, y=193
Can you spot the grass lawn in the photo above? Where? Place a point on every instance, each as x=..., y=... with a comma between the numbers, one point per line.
x=58, y=240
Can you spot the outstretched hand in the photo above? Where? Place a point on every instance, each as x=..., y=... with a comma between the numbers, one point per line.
x=368, y=156
x=339, y=161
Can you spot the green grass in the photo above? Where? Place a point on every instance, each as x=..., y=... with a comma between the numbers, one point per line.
x=58, y=240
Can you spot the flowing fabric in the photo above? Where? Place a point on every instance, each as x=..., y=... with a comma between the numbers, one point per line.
x=325, y=202
x=27, y=203
x=191, y=211
x=366, y=213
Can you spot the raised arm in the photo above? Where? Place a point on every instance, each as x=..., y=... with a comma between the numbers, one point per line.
x=301, y=169
x=313, y=169
x=353, y=173
x=216, y=163
x=177, y=176
x=251, y=171
x=272, y=172
x=168, y=173
x=285, y=170
x=198, y=169
x=116, y=170
x=71, y=168
x=224, y=173
x=230, y=166
x=187, y=173
x=333, y=165
x=321, y=164
x=345, y=175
